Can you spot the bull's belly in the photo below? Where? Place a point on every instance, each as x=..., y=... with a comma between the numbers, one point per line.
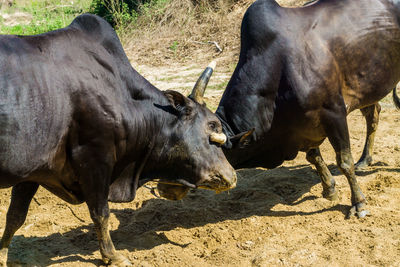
x=286, y=146
x=64, y=185
x=363, y=97
x=308, y=138
x=8, y=180
x=301, y=132
x=369, y=83
x=51, y=171
x=70, y=193
x=275, y=148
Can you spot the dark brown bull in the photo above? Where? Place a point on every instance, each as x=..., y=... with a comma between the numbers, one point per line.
x=77, y=119
x=300, y=72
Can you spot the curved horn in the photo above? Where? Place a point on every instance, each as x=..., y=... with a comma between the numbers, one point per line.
x=218, y=138
x=201, y=84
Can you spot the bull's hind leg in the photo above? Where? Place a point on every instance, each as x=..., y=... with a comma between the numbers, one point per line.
x=336, y=128
x=21, y=197
x=328, y=183
x=371, y=114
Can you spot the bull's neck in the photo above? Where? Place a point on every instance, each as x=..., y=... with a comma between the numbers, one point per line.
x=236, y=155
x=253, y=154
x=246, y=105
x=149, y=121
x=148, y=116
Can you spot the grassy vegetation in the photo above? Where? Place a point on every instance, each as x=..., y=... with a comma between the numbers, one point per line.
x=185, y=31
x=40, y=16
x=218, y=86
x=152, y=31
x=27, y=17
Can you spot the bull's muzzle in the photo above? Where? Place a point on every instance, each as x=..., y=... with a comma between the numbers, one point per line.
x=220, y=182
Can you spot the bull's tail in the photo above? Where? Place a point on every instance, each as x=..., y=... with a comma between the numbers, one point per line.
x=396, y=99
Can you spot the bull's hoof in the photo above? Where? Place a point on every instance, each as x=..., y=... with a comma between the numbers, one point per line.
x=3, y=257
x=330, y=194
x=358, y=210
x=118, y=261
x=363, y=163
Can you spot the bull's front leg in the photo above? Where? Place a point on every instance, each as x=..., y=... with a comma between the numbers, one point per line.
x=358, y=201
x=328, y=183
x=95, y=186
x=107, y=250
x=335, y=124
x=371, y=114
x=21, y=197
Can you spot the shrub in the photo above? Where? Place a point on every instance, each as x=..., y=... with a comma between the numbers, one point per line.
x=117, y=12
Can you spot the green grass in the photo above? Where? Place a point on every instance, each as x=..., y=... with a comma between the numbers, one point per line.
x=219, y=86
x=170, y=78
x=47, y=15
x=212, y=107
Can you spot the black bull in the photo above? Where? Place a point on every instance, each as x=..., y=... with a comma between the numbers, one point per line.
x=300, y=72
x=74, y=116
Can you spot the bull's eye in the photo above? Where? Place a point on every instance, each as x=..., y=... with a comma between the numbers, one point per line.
x=213, y=126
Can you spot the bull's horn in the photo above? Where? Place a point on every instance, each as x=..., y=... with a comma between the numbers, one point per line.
x=218, y=138
x=201, y=84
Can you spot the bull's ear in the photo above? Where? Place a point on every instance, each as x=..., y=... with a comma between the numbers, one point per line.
x=241, y=140
x=179, y=102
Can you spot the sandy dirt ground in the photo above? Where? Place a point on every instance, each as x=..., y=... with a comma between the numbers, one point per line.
x=273, y=218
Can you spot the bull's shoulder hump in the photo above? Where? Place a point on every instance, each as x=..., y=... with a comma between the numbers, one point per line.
x=262, y=8
x=266, y=3
x=263, y=15
x=262, y=22
x=94, y=26
x=99, y=31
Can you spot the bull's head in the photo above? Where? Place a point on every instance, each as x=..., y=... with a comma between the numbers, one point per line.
x=194, y=145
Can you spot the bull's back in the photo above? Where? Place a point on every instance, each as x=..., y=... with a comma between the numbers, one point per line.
x=338, y=49
x=341, y=46
x=361, y=40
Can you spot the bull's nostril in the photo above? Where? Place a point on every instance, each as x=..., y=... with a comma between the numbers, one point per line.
x=220, y=181
x=231, y=181
x=234, y=177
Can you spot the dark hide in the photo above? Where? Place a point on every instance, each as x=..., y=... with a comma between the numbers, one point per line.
x=301, y=71
x=123, y=189
x=75, y=117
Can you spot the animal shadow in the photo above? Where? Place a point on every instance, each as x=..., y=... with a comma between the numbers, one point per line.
x=258, y=191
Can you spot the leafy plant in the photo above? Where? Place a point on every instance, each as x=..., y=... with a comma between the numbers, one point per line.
x=120, y=13
x=117, y=12
x=45, y=15
x=174, y=46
